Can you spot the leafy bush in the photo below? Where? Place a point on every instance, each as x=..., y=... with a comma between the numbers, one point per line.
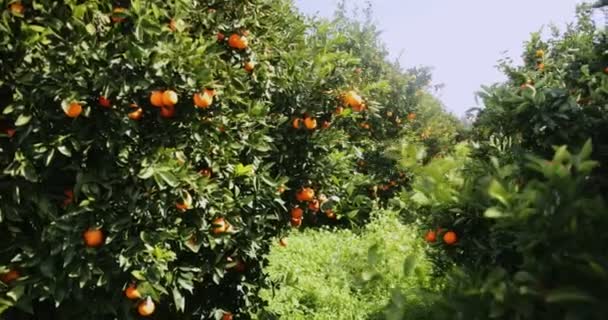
x=324, y=274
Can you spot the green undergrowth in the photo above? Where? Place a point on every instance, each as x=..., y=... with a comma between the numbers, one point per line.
x=348, y=274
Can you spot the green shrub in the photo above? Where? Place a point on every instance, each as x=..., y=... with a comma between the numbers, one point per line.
x=324, y=274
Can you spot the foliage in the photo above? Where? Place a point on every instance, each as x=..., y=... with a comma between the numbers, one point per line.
x=347, y=274
x=187, y=199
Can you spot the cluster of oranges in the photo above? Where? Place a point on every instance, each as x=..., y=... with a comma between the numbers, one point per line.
x=313, y=204
x=309, y=123
x=220, y=226
x=449, y=238
x=238, y=41
x=145, y=307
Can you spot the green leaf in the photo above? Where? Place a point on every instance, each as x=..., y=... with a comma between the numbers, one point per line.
x=65, y=151
x=241, y=170
x=169, y=178
x=23, y=120
x=568, y=295
x=498, y=192
x=493, y=213
x=179, y=299
x=409, y=264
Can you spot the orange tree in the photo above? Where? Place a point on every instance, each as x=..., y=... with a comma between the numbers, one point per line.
x=151, y=149
x=529, y=220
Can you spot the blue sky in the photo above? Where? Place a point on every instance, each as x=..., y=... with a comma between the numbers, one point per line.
x=462, y=40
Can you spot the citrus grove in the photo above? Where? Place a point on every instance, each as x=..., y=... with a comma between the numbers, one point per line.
x=152, y=151
x=157, y=156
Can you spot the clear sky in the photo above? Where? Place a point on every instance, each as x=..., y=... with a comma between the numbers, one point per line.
x=462, y=40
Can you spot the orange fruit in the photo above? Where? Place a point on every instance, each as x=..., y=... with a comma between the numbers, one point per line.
x=330, y=214
x=283, y=242
x=297, y=213
x=167, y=112
x=205, y=99
x=146, y=307
x=73, y=110
x=310, y=123
x=249, y=66
x=69, y=197
x=220, y=36
x=169, y=98
x=352, y=99
x=296, y=123
x=156, y=99
x=172, y=25
x=220, y=226
x=606, y=70
x=281, y=189
x=104, y=102
x=540, y=66
x=10, y=132
x=9, y=276
x=359, y=108
x=450, y=238
x=17, y=8
x=183, y=207
x=238, y=42
x=326, y=124
x=365, y=125
x=205, y=172
x=339, y=110
x=411, y=116
x=305, y=194
x=116, y=14
x=296, y=222
x=431, y=236
x=132, y=293
x=136, y=115
x=314, y=205
x=93, y=238
x=227, y=316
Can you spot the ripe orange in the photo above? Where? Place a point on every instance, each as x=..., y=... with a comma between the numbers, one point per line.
x=227, y=316
x=205, y=99
x=296, y=222
x=116, y=14
x=9, y=276
x=326, y=124
x=205, y=172
x=156, y=99
x=146, y=307
x=310, y=123
x=93, y=238
x=137, y=114
x=249, y=66
x=283, y=242
x=73, y=110
x=183, y=207
x=339, y=110
x=238, y=42
x=352, y=99
x=132, y=293
x=281, y=189
x=450, y=238
x=167, y=112
x=305, y=194
x=296, y=123
x=104, y=102
x=17, y=8
x=220, y=226
x=297, y=213
x=330, y=214
x=431, y=236
x=314, y=205
x=359, y=108
x=411, y=116
x=169, y=98
x=220, y=36
x=365, y=125
x=172, y=25
x=540, y=66
x=606, y=70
